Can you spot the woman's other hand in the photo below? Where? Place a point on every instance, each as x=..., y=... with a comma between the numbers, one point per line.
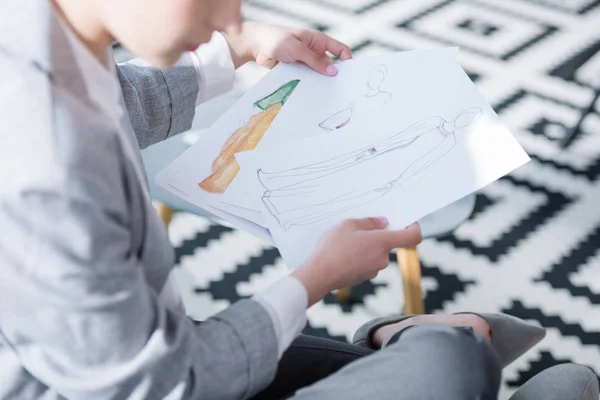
x=271, y=44
x=352, y=252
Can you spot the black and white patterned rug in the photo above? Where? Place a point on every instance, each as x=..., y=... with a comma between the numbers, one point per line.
x=532, y=246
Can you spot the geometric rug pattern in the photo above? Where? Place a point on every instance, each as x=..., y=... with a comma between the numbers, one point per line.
x=531, y=247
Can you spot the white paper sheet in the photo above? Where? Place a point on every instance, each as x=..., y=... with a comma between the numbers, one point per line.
x=257, y=230
x=442, y=142
x=186, y=161
x=324, y=118
x=239, y=129
x=362, y=97
x=242, y=190
x=313, y=104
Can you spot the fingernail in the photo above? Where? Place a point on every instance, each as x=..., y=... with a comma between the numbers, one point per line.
x=331, y=70
x=414, y=225
x=383, y=220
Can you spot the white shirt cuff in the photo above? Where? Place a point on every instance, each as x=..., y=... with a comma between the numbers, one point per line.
x=286, y=302
x=214, y=67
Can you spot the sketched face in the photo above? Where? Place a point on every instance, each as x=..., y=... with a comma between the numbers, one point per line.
x=377, y=77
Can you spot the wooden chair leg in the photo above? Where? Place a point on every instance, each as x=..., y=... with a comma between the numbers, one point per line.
x=343, y=295
x=165, y=213
x=410, y=268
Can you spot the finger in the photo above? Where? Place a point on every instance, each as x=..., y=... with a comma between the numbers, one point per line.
x=320, y=63
x=321, y=43
x=408, y=237
x=338, y=48
x=372, y=275
x=268, y=63
x=368, y=224
x=383, y=262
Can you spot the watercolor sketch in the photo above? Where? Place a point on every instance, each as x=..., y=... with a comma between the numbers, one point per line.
x=312, y=193
x=364, y=105
x=225, y=167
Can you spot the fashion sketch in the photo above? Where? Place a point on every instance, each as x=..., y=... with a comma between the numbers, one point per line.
x=225, y=167
x=312, y=193
x=364, y=105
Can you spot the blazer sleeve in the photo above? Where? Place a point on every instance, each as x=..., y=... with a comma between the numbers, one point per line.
x=160, y=103
x=76, y=310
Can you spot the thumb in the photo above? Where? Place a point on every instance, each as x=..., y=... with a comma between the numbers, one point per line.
x=408, y=237
x=321, y=63
x=369, y=224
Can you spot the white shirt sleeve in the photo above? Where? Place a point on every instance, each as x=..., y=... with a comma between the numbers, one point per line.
x=286, y=302
x=214, y=67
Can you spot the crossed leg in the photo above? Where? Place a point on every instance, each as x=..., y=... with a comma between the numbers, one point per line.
x=427, y=361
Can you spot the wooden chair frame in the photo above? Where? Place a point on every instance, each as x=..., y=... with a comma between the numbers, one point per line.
x=410, y=269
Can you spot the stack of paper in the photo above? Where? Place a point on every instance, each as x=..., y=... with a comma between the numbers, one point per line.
x=400, y=135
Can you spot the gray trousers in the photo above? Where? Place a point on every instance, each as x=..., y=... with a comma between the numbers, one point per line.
x=435, y=362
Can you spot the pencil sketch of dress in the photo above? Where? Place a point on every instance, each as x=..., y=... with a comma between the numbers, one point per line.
x=312, y=193
x=364, y=105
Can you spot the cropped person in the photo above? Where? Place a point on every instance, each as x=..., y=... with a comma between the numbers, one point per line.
x=88, y=307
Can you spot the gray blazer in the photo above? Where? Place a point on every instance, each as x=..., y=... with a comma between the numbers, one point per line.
x=83, y=255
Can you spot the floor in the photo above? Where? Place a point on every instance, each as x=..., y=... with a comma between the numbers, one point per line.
x=532, y=246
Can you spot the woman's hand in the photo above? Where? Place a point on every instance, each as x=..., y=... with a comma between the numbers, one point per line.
x=271, y=44
x=354, y=251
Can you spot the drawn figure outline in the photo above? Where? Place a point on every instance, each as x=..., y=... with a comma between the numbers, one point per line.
x=310, y=194
x=374, y=98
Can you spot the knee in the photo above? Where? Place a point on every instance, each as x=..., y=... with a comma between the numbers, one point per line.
x=572, y=371
x=565, y=382
x=580, y=381
x=468, y=357
x=455, y=345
